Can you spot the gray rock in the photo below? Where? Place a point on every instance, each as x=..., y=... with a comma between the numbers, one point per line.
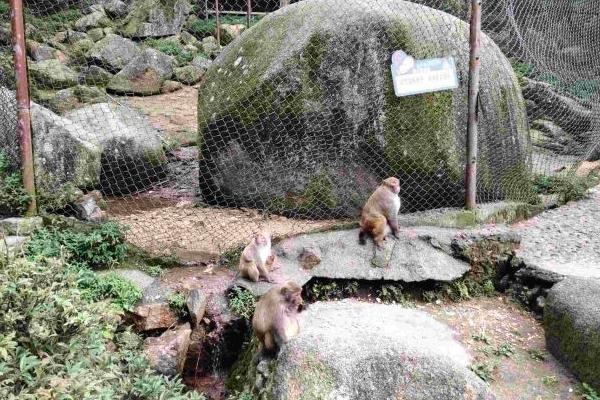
x=11, y=244
x=69, y=99
x=144, y=75
x=358, y=351
x=572, y=326
x=153, y=19
x=97, y=19
x=171, y=86
x=97, y=76
x=116, y=8
x=20, y=226
x=70, y=36
x=113, y=52
x=230, y=32
x=140, y=279
x=167, y=353
x=52, y=74
x=196, y=305
x=189, y=74
x=41, y=52
x=188, y=38
x=131, y=148
x=201, y=62
x=210, y=47
x=323, y=101
x=95, y=34
x=87, y=208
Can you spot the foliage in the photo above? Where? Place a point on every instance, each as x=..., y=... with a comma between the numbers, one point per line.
x=95, y=287
x=4, y=11
x=481, y=337
x=101, y=246
x=178, y=303
x=505, y=350
x=523, y=69
x=584, y=89
x=484, y=370
x=538, y=355
x=154, y=270
x=550, y=380
x=391, y=293
x=171, y=48
x=331, y=290
x=568, y=187
x=53, y=23
x=242, y=302
x=588, y=392
x=13, y=197
x=56, y=345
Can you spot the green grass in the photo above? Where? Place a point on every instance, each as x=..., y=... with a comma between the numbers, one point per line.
x=50, y=24
x=13, y=197
x=242, y=302
x=177, y=303
x=171, y=48
x=568, y=187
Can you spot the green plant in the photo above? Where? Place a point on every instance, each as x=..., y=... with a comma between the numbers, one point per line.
x=177, y=303
x=171, y=48
x=550, y=380
x=101, y=246
x=4, y=11
x=242, y=302
x=523, y=69
x=584, y=89
x=588, y=392
x=484, y=370
x=325, y=291
x=505, y=350
x=95, y=287
x=481, y=336
x=155, y=270
x=538, y=355
x=568, y=187
x=56, y=344
x=53, y=23
x=391, y=293
x=13, y=197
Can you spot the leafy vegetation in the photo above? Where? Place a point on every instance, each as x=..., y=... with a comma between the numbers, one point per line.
x=588, y=392
x=550, y=380
x=331, y=290
x=101, y=246
x=538, y=355
x=391, y=293
x=484, y=370
x=177, y=303
x=481, y=337
x=4, y=11
x=242, y=302
x=56, y=344
x=13, y=197
x=95, y=287
x=568, y=187
x=171, y=48
x=50, y=24
x=505, y=350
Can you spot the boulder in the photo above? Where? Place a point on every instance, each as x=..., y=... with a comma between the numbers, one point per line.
x=352, y=351
x=95, y=34
x=132, y=152
x=167, y=353
x=86, y=207
x=148, y=317
x=52, y=74
x=188, y=38
x=201, y=62
x=210, y=47
x=97, y=76
x=321, y=105
x=140, y=279
x=196, y=305
x=69, y=99
x=230, y=32
x=149, y=18
x=12, y=244
x=189, y=74
x=69, y=36
x=572, y=326
x=96, y=19
x=171, y=86
x=41, y=52
x=116, y=8
x=20, y=226
x=144, y=75
x=113, y=52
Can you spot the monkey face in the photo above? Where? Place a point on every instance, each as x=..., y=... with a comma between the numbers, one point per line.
x=261, y=239
x=393, y=184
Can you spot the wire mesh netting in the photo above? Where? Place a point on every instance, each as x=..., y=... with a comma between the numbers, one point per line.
x=196, y=123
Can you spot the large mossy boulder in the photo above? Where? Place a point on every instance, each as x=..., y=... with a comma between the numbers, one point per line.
x=356, y=351
x=144, y=75
x=299, y=116
x=572, y=326
x=150, y=18
x=52, y=74
x=113, y=52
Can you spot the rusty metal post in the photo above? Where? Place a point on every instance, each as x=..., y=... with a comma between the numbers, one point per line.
x=218, y=22
x=24, y=119
x=248, y=12
x=474, y=65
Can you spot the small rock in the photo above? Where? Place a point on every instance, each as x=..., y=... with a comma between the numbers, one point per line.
x=230, y=32
x=97, y=76
x=70, y=36
x=210, y=47
x=148, y=317
x=189, y=74
x=97, y=18
x=196, y=305
x=310, y=257
x=116, y=8
x=11, y=244
x=69, y=99
x=587, y=167
x=167, y=353
x=144, y=75
x=201, y=62
x=190, y=48
x=171, y=86
x=96, y=34
x=42, y=52
x=87, y=207
x=20, y=226
x=53, y=74
x=188, y=38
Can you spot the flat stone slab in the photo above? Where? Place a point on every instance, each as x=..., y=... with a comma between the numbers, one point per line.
x=572, y=326
x=12, y=243
x=139, y=278
x=352, y=350
x=418, y=255
x=21, y=226
x=562, y=242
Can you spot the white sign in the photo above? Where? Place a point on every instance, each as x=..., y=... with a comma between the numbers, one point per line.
x=412, y=76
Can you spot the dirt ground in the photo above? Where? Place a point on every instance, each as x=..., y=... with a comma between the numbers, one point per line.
x=507, y=343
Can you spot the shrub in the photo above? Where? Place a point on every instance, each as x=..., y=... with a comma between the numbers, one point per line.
x=171, y=48
x=13, y=197
x=53, y=23
x=242, y=302
x=568, y=187
x=177, y=303
x=95, y=287
x=55, y=344
x=101, y=246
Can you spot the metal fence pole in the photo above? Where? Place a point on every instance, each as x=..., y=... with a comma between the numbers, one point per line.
x=218, y=22
x=248, y=13
x=23, y=105
x=474, y=65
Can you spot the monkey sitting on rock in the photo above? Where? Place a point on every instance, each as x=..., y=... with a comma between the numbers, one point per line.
x=257, y=258
x=380, y=212
x=275, y=319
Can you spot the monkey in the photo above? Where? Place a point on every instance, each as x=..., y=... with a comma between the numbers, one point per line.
x=381, y=211
x=275, y=319
x=257, y=258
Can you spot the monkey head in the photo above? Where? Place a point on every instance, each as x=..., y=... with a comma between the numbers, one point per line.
x=262, y=238
x=292, y=295
x=393, y=184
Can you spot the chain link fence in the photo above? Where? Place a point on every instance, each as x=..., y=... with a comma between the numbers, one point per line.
x=160, y=114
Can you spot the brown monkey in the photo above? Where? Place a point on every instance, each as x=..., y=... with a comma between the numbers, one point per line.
x=275, y=319
x=257, y=258
x=381, y=211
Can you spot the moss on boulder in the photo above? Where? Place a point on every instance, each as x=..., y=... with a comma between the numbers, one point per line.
x=285, y=108
x=150, y=18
